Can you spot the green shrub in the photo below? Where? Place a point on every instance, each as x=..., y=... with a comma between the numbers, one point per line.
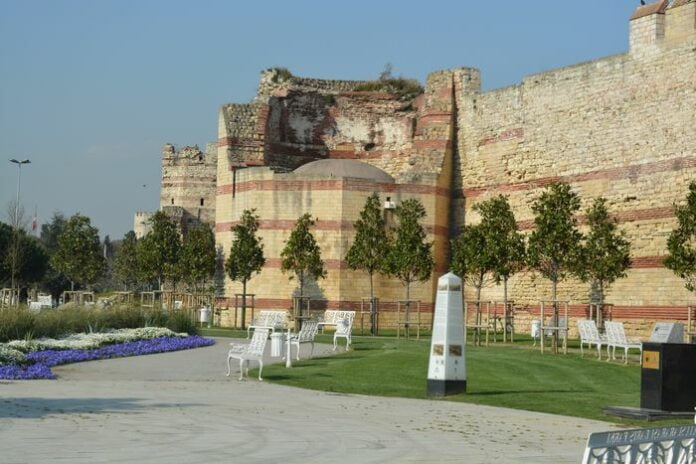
x=406, y=89
x=20, y=324
x=281, y=75
x=181, y=321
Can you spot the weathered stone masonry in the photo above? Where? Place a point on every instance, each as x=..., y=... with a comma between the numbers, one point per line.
x=623, y=127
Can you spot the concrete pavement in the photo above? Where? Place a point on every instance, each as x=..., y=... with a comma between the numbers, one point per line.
x=180, y=408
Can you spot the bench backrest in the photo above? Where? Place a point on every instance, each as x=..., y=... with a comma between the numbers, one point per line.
x=270, y=318
x=330, y=316
x=45, y=300
x=308, y=331
x=588, y=330
x=344, y=322
x=258, y=343
x=615, y=332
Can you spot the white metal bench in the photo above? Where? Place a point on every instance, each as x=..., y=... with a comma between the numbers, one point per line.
x=249, y=352
x=344, y=327
x=329, y=318
x=589, y=335
x=271, y=320
x=616, y=337
x=306, y=335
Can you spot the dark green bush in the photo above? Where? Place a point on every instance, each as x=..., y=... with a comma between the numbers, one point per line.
x=19, y=324
x=406, y=89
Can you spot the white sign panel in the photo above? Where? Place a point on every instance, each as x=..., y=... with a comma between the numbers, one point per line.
x=667, y=332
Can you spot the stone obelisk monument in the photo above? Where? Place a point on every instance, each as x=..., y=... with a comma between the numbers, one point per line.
x=447, y=367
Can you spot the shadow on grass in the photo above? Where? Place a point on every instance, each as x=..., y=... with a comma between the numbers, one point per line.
x=523, y=392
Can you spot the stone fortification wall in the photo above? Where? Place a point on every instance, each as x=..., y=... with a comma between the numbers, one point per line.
x=141, y=224
x=622, y=127
x=410, y=140
x=336, y=202
x=189, y=179
x=275, y=80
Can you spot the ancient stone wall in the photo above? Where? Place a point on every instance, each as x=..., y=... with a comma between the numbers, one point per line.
x=188, y=184
x=141, y=224
x=622, y=127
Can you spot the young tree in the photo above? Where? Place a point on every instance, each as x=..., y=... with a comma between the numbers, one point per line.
x=34, y=258
x=197, y=259
x=681, y=243
x=504, y=244
x=471, y=258
x=14, y=255
x=79, y=256
x=126, y=269
x=53, y=281
x=246, y=255
x=370, y=246
x=410, y=256
x=302, y=254
x=606, y=251
x=554, y=245
x=158, y=251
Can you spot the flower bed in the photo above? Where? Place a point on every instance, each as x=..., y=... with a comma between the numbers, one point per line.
x=39, y=363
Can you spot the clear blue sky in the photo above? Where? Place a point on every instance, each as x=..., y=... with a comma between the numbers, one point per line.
x=91, y=90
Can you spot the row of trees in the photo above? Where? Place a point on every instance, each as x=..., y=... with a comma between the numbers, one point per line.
x=493, y=250
x=166, y=258
x=404, y=254
x=68, y=252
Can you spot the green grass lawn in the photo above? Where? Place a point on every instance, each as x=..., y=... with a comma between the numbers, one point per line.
x=512, y=376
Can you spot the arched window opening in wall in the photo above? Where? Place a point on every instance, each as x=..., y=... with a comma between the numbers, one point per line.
x=172, y=201
x=202, y=201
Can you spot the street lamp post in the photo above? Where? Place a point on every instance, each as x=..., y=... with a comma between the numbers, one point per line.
x=19, y=182
x=16, y=220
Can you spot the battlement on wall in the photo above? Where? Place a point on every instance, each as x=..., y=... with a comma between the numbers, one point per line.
x=274, y=80
x=662, y=24
x=189, y=155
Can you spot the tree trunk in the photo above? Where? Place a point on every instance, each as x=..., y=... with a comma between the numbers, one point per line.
x=244, y=283
x=477, y=331
x=554, y=319
x=72, y=285
x=506, y=319
x=372, y=296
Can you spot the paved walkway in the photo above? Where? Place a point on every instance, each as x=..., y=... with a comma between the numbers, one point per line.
x=180, y=408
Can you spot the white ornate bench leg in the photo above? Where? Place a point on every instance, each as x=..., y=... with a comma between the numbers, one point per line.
x=298, y=351
x=348, y=342
x=241, y=369
x=229, y=368
x=599, y=351
x=582, y=353
x=260, y=368
x=248, y=332
x=334, y=343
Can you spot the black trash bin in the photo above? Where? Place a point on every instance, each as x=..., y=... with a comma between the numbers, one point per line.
x=668, y=377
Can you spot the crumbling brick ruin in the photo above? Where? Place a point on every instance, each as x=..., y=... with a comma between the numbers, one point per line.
x=623, y=127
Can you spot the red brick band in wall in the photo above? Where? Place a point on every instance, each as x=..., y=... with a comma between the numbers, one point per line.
x=624, y=172
x=621, y=216
x=286, y=224
x=274, y=185
x=618, y=313
x=283, y=303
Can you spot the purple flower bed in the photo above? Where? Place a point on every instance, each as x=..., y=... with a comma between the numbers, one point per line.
x=40, y=362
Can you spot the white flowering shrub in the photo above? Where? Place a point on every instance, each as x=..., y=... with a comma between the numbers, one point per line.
x=88, y=341
x=10, y=356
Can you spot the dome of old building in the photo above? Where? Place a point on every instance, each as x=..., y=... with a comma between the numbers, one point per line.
x=344, y=168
